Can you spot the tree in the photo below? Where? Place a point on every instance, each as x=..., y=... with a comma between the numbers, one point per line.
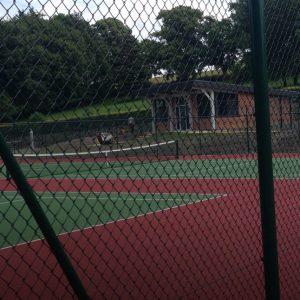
x=282, y=46
x=183, y=50
x=150, y=51
x=8, y=109
x=222, y=44
x=79, y=58
x=295, y=55
x=49, y=64
x=241, y=26
x=123, y=53
x=22, y=60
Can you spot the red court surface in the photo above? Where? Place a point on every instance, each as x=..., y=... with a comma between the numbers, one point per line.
x=205, y=250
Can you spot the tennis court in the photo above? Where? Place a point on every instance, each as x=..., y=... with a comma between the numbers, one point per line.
x=86, y=166
x=74, y=211
x=133, y=218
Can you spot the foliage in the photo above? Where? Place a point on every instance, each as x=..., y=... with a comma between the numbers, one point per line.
x=65, y=62
x=282, y=43
x=222, y=44
x=8, y=109
x=123, y=55
x=37, y=117
x=80, y=57
x=182, y=50
x=109, y=108
x=52, y=64
x=48, y=63
x=150, y=51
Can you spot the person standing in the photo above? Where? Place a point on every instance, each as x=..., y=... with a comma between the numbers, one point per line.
x=131, y=124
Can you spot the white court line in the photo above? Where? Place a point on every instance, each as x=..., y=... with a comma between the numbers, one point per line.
x=108, y=195
x=101, y=198
x=8, y=202
x=117, y=221
x=28, y=155
x=176, y=176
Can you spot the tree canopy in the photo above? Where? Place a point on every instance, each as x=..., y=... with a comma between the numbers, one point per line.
x=222, y=44
x=182, y=50
x=65, y=61
x=123, y=54
x=48, y=64
x=282, y=42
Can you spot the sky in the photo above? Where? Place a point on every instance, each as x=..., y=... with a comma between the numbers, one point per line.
x=139, y=15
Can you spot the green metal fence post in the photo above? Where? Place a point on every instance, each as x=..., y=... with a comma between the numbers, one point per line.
x=41, y=219
x=264, y=150
x=7, y=175
x=177, y=148
x=247, y=132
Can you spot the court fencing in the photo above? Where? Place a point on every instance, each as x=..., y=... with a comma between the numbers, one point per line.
x=81, y=135
x=144, y=151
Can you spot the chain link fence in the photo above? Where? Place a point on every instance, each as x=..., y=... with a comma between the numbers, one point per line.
x=134, y=123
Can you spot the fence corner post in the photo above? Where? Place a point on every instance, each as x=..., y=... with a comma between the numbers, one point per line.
x=264, y=150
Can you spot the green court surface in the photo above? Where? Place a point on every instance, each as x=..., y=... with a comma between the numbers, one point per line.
x=72, y=211
x=208, y=168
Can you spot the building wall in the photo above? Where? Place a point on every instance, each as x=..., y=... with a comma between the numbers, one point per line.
x=238, y=122
x=172, y=110
x=279, y=109
x=199, y=123
x=163, y=126
x=245, y=117
x=280, y=114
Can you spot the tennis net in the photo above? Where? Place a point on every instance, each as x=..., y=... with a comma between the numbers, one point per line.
x=47, y=165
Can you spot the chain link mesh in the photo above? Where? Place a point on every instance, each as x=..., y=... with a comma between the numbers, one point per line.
x=134, y=123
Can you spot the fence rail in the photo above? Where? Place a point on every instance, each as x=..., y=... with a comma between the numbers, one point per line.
x=78, y=135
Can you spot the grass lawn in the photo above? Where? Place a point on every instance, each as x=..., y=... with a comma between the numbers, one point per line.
x=107, y=108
